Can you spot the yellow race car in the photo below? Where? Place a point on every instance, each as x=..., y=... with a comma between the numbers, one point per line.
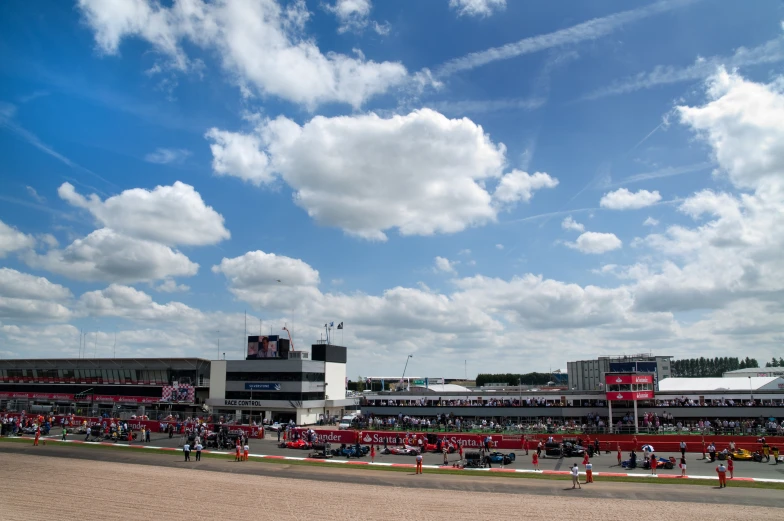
x=739, y=455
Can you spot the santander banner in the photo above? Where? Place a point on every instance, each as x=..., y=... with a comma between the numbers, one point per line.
x=639, y=395
x=628, y=379
x=608, y=442
x=70, y=397
x=398, y=438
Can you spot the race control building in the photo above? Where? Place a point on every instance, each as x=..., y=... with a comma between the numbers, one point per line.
x=281, y=386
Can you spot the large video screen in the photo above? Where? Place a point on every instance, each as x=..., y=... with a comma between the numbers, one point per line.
x=181, y=393
x=262, y=347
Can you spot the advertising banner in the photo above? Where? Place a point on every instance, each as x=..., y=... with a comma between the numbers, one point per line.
x=262, y=386
x=611, y=379
x=89, y=397
x=639, y=395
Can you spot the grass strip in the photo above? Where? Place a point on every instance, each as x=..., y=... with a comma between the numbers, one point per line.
x=448, y=471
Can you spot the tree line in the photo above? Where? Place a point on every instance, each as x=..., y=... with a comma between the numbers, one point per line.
x=709, y=367
x=775, y=363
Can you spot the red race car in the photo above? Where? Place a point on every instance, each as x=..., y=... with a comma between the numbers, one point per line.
x=296, y=444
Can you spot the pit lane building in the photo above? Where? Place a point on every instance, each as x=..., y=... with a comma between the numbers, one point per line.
x=297, y=386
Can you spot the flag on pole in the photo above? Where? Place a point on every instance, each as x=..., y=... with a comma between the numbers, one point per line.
x=426, y=382
x=331, y=324
x=340, y=326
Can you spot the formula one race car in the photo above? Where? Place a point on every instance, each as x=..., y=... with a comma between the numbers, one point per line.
x=296, y=444
x=498, y=457
x=662, y=463
x=566, y=449
x=630, y=463
x=740, y=455
x=321, y=451
x=351, y=451
x=433, y=444
x=405, y=450
x=433, y=447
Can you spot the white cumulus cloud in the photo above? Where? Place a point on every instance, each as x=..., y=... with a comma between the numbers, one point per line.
x=170, y=286
x=519, y=186
x=12, y=240
x=354, y=16
x=443, y=264
x=260, y=44
x=623, y=199
x=596, y=242
x=420, y=173
x=27, y=297
x=571, y=224
x=105, y=255
x=167, y=214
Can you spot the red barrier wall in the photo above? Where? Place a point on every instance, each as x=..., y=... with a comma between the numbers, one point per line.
x=661, y=443
x=136, y=425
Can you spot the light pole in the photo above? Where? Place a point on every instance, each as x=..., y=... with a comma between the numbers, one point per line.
x=403, y=378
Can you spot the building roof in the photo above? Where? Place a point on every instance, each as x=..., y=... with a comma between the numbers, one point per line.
x=756, y=371
x=443, y=388
x=754, y=383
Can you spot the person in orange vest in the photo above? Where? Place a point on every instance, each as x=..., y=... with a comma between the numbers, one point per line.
x=721, y=470
x=419, y=463
x=372, y=453
x=619, y=455
x=245, y=452
x=589, y=472
x=654, y=463
x=237, y=450
x=585, y=458
x=525, y=446
x=730, y=466
x=535, y=461
x=460, y=449
x=37, y=435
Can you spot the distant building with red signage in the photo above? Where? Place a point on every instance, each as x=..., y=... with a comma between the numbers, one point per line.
x=628, y=386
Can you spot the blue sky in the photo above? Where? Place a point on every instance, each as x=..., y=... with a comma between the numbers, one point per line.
x=511, y=184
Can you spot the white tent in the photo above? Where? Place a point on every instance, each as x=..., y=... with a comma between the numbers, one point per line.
x=692, y=385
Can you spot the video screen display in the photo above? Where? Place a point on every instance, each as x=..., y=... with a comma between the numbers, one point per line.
x=262, y=347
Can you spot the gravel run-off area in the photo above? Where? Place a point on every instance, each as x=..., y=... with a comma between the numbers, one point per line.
x=64, y=489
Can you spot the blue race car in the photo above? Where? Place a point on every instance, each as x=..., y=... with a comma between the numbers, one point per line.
x=351, y=451
x=499, y=457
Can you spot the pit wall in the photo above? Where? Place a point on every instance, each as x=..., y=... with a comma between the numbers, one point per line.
x=662, y=443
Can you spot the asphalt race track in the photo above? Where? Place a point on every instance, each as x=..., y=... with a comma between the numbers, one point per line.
x=603, y=463
x=13, y=454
